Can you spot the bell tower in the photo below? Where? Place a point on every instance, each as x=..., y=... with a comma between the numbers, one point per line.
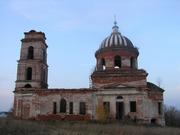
x=32, y=70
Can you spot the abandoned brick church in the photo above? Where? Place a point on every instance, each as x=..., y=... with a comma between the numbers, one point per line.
x=118, y=85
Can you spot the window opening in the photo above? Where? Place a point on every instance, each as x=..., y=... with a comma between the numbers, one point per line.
x=103, y=64
x=54, y=107
x=63, y=106
x=117, y=62
x=27, y=86
x=82, y=108
x=30, y=52
x=71, y=108
x=29, y=73
x=132, y=106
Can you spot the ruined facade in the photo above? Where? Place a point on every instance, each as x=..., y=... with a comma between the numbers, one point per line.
x=118, y=85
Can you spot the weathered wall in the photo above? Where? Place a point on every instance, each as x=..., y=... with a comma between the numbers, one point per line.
x=128, y=94
x=135, y=78
x=39, y=104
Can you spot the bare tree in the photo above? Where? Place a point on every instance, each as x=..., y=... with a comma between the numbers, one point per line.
x=172, y=116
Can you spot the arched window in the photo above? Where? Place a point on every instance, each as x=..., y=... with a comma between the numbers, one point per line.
x=30, y=53
x=103, y=64
x=27, y=86
x=29, y=73
x=119, y=97
x=117, y=62
x=63, y=106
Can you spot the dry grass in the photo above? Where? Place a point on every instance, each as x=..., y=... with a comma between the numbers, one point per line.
x=21, y=127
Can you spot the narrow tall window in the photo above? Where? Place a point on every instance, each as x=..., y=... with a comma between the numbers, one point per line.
x=117, y=62
x=159, y=108
x=30, y=53
x=82, y=108
x=29, y=73
x=54, y=107
x=70, y=107
x=44, y=56
x=106, y=106
x=132, y=106
x=44, y=75
x=103, y=64
x=132, y=62
x=63, y=106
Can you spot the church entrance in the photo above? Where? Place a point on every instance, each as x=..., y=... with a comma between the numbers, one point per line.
x=119, y=110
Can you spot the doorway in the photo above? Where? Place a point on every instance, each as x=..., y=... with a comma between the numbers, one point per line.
x=119, y=110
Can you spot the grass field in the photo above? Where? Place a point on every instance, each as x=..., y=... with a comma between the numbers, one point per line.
x=22, y=127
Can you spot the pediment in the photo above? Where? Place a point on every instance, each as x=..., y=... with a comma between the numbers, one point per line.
x=115, y=86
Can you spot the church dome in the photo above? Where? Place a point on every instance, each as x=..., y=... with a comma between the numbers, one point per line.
x=116, y=40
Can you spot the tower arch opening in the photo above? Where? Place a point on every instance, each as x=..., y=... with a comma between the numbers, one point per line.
x=117, y=61
x=27, y=86
x=30, y=53
x=29, y=73
x=119, y=97
x=132, y=62
x=103, y=64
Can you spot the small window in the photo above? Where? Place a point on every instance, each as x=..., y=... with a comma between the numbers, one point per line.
x=29, y=73
x=71, y=108
x=54, y=107
x=106, y=106
x=63, y=106
x=30, y=53
x=117, y=62
x=160, y=108
x=132, y=106
x=82, y=108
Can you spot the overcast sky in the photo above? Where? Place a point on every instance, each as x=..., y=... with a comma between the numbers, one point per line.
x=74, y=30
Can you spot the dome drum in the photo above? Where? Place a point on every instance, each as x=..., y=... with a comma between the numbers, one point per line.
x=116, y=62
x=116, y=52
x=120, y=50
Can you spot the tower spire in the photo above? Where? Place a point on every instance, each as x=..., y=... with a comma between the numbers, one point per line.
x=115, y=27
x=115, y=22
